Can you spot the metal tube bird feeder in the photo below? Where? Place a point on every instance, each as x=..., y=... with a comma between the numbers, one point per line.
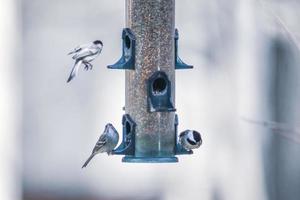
x=150, y=57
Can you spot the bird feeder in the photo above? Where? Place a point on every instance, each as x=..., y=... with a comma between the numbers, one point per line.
x=150, y=58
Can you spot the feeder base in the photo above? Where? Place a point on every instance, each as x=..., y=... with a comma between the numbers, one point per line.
x=129, y=159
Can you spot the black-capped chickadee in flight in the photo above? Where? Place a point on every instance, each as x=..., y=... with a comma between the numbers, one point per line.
x=84, y=54
x=190, y=139
x=106, y=143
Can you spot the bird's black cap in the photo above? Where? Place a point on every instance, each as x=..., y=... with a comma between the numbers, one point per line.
x=98, y=42
x=197, y=136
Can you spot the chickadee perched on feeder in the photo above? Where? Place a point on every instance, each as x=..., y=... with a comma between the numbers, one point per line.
x=190, y=139
x=84, y=54
x=106, y=143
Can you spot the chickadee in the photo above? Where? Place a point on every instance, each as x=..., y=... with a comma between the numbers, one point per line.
x=84, y=54
x=190, y=139
x=106, y=143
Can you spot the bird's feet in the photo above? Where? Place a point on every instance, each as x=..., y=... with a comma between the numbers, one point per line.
x=88, y=66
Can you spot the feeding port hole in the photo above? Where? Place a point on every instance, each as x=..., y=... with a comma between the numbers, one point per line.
x=159, y=86
x=127, y=42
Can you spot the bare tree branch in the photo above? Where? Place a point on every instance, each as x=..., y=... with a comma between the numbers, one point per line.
x=277, y=127
x=281, y=23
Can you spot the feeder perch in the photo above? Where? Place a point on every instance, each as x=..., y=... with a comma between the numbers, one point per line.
x=179, y=150
x=179, y=64
x=128, y=140
x=128, y=51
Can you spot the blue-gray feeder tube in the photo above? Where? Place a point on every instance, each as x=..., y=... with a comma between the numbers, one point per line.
x=152, y=23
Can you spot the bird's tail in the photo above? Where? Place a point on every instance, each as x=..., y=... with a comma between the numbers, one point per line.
x=88, y=160
x=74, y=70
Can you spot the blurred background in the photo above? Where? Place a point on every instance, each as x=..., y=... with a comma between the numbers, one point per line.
x=242, y=95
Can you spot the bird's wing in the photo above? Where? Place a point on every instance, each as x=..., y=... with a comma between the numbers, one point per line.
x=79, y=48
x=75, y=50
x=100, y=143
x=85, y=52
